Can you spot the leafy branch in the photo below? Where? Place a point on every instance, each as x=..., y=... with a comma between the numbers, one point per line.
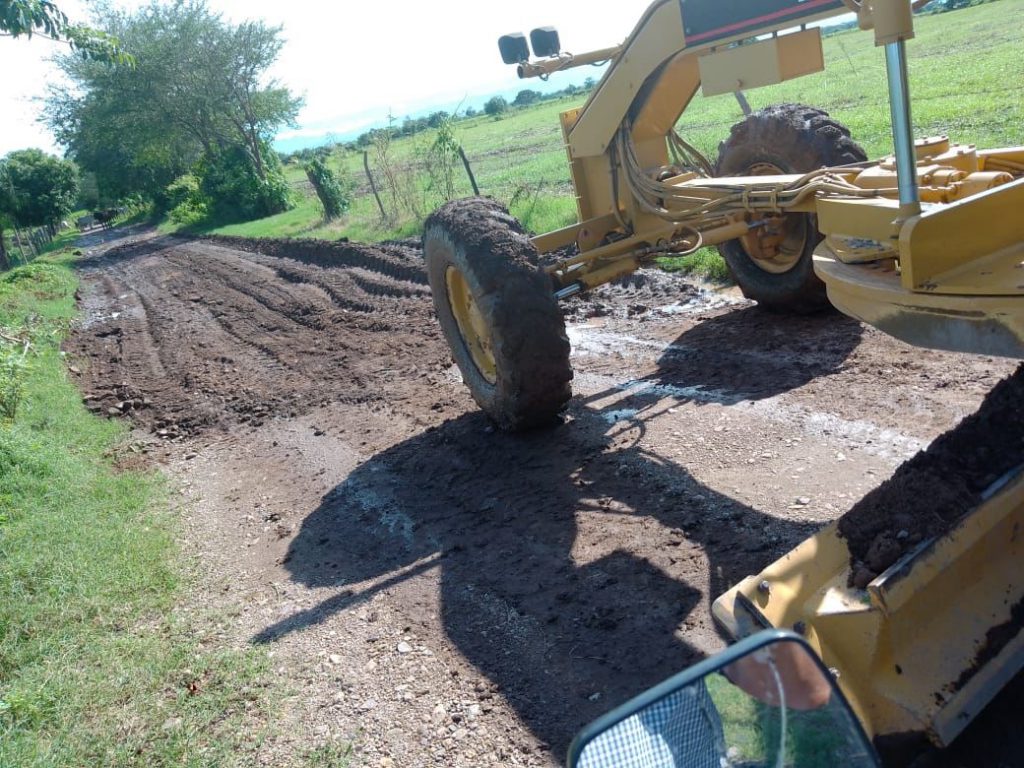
x=42, y=18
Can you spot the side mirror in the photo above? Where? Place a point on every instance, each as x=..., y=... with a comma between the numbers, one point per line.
x=766, y=701
x=545, y=42
x=514, y=48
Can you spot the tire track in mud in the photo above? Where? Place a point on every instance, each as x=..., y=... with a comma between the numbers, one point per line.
x=282, y=326
x=181, y=330
x=245, y=337
x=397, y=260
x=142, y=357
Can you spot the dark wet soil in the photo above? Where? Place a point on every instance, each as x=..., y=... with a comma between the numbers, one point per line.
x=203, y=339
x=930, y=493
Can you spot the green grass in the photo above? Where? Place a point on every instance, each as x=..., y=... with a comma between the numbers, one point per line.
x=330, y=756
x=63, y=240
x=967, y=78
x=97, y=664
x=705, y=264
x=752, y=729
x=66, y=238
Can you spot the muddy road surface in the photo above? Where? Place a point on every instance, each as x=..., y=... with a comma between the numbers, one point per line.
x=441, y=594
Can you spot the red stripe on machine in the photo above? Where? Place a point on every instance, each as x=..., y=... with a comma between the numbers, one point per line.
x=755, y=22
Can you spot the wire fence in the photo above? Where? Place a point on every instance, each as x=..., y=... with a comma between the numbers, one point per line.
x=20, y=245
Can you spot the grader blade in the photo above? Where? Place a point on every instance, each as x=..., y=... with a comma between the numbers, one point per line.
x=919, y=615
x=954, y=292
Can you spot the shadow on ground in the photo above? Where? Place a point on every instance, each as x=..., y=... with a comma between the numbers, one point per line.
x=752, y=354
x=573, y=561
x=551, y=617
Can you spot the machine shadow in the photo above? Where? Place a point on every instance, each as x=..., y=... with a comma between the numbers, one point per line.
x=565, y=626
x=751, y=354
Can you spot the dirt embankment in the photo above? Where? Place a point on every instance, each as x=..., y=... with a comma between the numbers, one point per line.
x=399, y=259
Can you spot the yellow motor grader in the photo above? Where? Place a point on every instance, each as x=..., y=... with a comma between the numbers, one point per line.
x=927, y=245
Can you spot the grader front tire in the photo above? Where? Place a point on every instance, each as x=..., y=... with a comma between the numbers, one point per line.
x=498, y=313
x=778, y=272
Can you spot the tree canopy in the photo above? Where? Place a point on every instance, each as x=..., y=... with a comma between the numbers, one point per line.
x=37, y=189
x=198, y=91
x=496, y=105
x=526, y=97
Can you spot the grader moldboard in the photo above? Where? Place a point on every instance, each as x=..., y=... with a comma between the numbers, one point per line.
x=927, y=245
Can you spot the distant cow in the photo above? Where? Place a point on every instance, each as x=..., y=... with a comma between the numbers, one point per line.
x=85, y=223
x=105, y=217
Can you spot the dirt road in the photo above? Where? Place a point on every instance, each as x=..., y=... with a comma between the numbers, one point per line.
x=441, y=594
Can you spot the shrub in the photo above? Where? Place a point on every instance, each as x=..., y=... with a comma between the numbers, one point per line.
x=334, y=196
x=237, y=192
x=13, y=371
x=496, y=105
x=186, y=201
x=441, y=161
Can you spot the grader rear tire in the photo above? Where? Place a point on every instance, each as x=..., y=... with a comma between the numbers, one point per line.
x=498, y=313
x=788, y=138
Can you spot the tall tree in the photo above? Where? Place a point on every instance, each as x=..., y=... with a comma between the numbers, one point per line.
x=40, y=189
x=496, y=105
x=198, y=90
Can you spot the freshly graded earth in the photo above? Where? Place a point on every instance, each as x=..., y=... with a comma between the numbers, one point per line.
x=933, y=491
x=435, y=592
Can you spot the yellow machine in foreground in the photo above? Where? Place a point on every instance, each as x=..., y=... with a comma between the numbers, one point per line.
x=927, y=245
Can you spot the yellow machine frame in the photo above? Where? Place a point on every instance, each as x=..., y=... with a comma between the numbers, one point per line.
x=927, y=245
x=911, y=650
x=904, y=267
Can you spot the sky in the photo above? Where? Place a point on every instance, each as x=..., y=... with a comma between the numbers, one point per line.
x=354, y=62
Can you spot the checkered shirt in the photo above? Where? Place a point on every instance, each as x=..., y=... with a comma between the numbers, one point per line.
x=682, y=730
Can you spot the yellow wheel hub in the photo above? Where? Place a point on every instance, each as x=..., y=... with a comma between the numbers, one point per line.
x=777, y=246
x=472, y=326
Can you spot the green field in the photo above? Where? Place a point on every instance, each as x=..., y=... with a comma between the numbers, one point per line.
x=967, y=76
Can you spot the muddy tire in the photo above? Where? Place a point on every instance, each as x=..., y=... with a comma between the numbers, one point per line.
x=788, y=138
x=498, y=312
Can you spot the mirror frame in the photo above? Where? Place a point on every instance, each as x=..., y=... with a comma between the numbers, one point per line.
x=699, y=671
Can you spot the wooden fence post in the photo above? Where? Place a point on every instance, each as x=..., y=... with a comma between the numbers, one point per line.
x=469, y=171
x=25, y=257
x=5, y=262
x=373, y=184
x=741, y=97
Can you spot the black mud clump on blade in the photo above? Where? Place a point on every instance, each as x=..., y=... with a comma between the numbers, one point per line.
x=930, y=493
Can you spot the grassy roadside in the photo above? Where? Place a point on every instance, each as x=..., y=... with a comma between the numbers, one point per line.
x=96, y=665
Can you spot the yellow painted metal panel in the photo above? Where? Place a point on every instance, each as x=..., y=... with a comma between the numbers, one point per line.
x=766, y=62
x=590, y=231
x=1008, y=159
x=870, y=219
x=658, y=37
x=676, y=88
x=986, y=325
x=943, y=239
x=912, y=652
